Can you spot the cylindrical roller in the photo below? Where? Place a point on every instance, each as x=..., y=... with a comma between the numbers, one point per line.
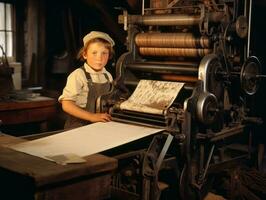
x=182, y=52
x=164, y=68
x=187, y=79
x=185, y=40
x=164, y=20
x=159, y=5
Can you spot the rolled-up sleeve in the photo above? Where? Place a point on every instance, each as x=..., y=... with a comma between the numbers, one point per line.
x=76, y=88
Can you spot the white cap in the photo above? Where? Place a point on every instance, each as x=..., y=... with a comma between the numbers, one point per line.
x=98, y=34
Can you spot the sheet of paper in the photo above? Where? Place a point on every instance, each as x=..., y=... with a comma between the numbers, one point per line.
x=152, y=96
x=85, y=140
x=64, y=159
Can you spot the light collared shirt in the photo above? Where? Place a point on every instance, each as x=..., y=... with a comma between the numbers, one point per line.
x=76, y=88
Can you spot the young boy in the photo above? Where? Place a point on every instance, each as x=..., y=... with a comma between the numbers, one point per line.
x=85, y=84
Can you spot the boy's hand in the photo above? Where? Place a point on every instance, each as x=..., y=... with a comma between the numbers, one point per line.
x=101, y=117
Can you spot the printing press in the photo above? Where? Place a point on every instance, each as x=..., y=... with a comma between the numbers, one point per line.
x=204, y=44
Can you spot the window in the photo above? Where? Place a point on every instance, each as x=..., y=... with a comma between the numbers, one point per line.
x=6, y=28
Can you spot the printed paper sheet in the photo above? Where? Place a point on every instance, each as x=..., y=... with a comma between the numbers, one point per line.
x=152, y=96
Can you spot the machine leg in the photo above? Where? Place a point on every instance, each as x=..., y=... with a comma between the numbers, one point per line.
x=151, y=166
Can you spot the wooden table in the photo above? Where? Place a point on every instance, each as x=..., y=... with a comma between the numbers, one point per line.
x=23, y=117
x=26, y=111
x=23, y=176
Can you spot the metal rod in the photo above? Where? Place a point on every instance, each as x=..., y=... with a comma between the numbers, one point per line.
x=164, y=151
x=143, y=7
x=208, y=163
x=261, y=76
x=249, y=26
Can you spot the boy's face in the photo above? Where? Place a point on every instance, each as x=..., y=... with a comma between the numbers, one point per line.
x=96, y=56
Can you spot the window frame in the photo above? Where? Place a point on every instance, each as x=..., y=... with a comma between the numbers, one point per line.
x=11, y=54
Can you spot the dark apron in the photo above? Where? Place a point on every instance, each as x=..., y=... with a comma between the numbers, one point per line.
x=95, y=90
